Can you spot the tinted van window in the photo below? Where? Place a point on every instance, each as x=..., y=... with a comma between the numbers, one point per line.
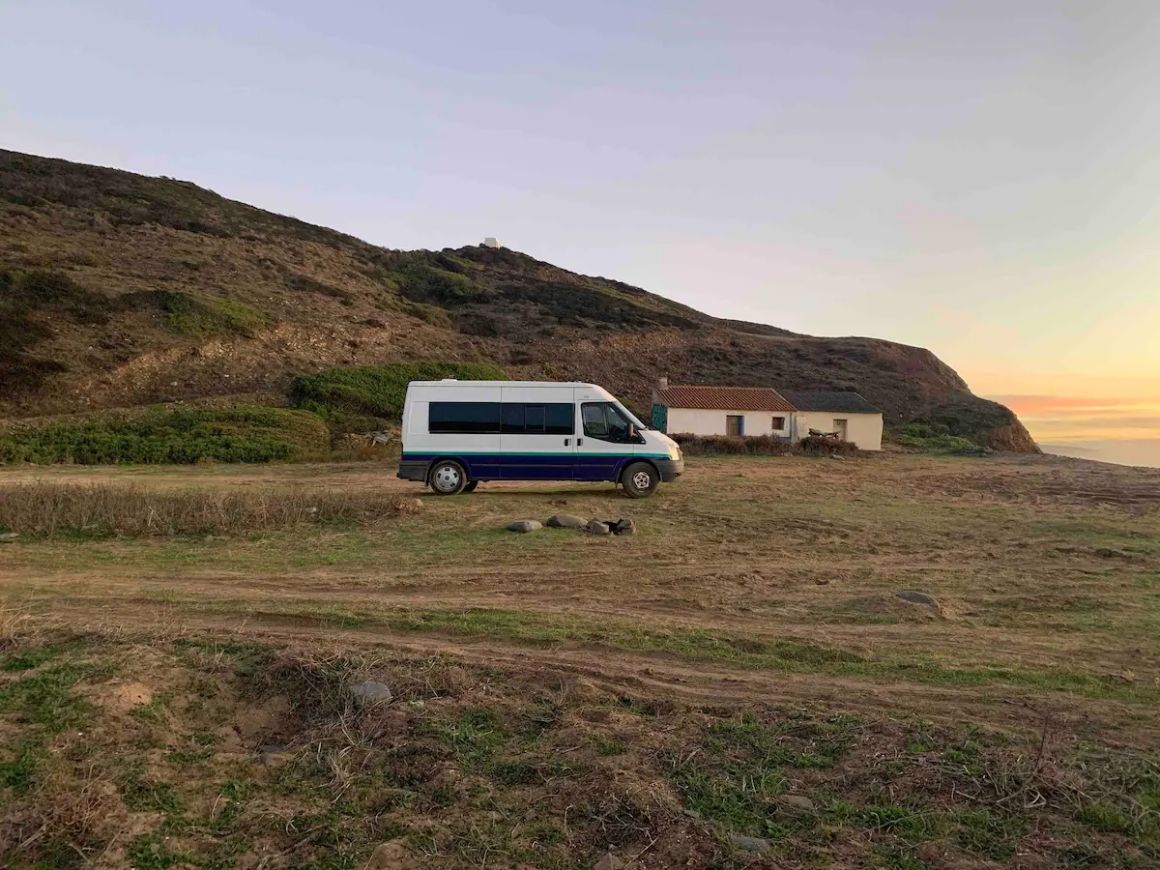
x=527, y=418
x=464, y=418
x=561, y=418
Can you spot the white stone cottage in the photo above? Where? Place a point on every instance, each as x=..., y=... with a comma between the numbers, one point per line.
x=750, y=411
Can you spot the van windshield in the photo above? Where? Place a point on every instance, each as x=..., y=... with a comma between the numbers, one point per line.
x=631, y=416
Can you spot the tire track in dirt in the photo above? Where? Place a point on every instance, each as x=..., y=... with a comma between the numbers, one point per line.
x=664, y=676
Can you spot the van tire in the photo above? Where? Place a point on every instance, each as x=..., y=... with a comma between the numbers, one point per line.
x=471, y=485
x=447, y=477
x=640, y=480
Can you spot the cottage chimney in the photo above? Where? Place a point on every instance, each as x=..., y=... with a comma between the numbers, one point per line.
x=663, y=383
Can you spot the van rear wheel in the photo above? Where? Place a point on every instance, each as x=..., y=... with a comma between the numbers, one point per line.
x=639, y=480
x=447, y=478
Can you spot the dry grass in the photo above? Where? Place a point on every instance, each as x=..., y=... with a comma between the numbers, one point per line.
x=49, y=509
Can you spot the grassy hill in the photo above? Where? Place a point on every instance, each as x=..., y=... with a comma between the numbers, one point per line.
x=118, y=290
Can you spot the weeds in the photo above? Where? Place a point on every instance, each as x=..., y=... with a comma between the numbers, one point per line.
x=181, y=435
x=51, y=509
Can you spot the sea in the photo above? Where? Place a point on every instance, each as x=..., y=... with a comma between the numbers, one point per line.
x=1139, y=451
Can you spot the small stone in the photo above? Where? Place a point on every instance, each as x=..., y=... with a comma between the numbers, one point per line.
x=798, y=802
x=7, y=537
x=744, y=843
x=607, y=861
x=595, y=527
x=836, y=456
x=371, y=692
x=565, y=521
x=392, y=855
x=918, y=598
x=524, y=526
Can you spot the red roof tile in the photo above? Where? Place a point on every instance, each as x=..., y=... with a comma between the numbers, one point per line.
x=724, y=398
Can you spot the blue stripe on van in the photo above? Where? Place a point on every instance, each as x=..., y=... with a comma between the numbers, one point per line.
x=537, y=466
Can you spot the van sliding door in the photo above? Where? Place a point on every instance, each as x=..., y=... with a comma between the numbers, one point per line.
x=537, y=438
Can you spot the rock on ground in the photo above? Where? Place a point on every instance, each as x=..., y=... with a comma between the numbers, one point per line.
x=371, y=692
x=918, y=598
x=607, y=861
x=5, y=537
x=595, y=527
x=524, y=525
x=565, y=521
x=623, y=527
x=392, y=855
x=798, y=802
x=744, y=843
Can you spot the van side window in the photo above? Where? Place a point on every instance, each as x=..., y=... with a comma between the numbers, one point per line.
x=534, y=419
x=463, y=418
x=513, y=418
x=605, y=422
x=560, y=418
x=551, y=418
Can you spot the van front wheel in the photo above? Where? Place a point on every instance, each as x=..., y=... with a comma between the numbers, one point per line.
x=447, y=478
x=639, y=480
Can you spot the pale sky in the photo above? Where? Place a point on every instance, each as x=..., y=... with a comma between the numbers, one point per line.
x=979, y=178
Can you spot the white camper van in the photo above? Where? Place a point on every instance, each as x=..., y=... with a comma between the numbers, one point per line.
x=458, y=433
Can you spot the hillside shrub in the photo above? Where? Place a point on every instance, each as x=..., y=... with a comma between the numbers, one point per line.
x=933, y=437
x=368, y=397
x=430, y=284
x=198, y=316
x=717, y=445
x=183, y=435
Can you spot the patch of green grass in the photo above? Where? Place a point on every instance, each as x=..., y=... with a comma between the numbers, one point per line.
x=367, y=397
x=907, y=823
x=243, y=433
x=608, y=745
x=18, y=773
x=143, y=795
x=199, y=316
x=474, y=736
x=149, y=852
x=154, y=711
x=988, y=833
x=1103, y=816
x=26, y=660
x=45, y=698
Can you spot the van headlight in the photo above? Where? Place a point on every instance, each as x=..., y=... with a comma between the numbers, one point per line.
x=674, y=452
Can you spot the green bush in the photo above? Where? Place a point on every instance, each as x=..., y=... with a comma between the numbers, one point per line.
x=199, y=317
x=430, y=284
x=934, y=438
x=367, y=397
x=184, y=435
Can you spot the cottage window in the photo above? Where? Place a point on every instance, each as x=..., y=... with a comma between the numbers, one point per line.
x=778, y=424
x=734, y=424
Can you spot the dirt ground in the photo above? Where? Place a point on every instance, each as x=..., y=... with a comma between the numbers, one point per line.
x=752, y=584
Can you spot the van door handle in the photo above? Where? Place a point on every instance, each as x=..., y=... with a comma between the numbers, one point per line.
x=579, y=441
x=567, y=441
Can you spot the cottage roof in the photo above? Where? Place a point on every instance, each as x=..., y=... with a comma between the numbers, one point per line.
x=830, y=400
x=723, y=398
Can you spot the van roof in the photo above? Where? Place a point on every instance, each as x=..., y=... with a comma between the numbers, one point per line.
x=450, y=382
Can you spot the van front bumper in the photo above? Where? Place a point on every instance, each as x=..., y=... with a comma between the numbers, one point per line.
x=413, y=469
x=670, y=469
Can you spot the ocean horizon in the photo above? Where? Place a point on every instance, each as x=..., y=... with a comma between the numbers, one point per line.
x=1143, y=452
